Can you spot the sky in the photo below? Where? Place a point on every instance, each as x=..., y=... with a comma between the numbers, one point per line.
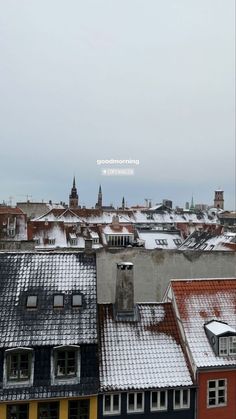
x=145, y=80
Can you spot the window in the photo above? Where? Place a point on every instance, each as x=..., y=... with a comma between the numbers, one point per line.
x=223, y=346
x=135, y=402
x=181, y=399
x=177, y=242
x=232, y=345
x=58, y=301
x=111, y=404
x=37, y=241
x=227, y=345
x=76, y=300
x=51, y=241
x=162, y=242
x=158, y=400
x=31, y=301
x=65, y=364
x=18, y=411
x=78, y=409
x=216, y=393
x=48, y=410
x=19, y=365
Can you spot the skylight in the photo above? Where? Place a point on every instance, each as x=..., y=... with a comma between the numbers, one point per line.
x=58, y=301
x=31, y=301
x=76, y=300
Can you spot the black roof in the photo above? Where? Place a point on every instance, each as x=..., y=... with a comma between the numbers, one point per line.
x=44, y=275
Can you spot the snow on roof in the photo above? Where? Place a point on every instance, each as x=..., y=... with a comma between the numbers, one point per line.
x=152, y=237
x=119, y=230
x=44, y=275
x=143, y=354
x=198, y=302
x=219, y=328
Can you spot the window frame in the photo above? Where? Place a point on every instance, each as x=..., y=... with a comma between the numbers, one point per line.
x=30, y=306
x=181, y=406
x=112, y=411
x=66, y=378
x=158, y=407
x=217, y=389
x=17, y=406
x=135, y=410
x=226, y=348
x=18, y=381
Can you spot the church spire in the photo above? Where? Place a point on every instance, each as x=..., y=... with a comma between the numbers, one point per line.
x=99, y=203
x=73, y=198
x=123, y=203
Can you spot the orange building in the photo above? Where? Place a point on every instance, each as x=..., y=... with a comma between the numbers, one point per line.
x=206, y=315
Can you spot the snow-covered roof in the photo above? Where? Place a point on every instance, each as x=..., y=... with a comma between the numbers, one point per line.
x=143, y=354
x=198, y=302
x=219, y=328
x=154, y=239
x=44, y=275
x=209, y=241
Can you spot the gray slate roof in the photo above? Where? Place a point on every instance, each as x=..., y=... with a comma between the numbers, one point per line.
x=44, y=275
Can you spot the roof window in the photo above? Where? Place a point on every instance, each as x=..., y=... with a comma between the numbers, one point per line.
x=58, y=301
x=76, y=300
x=32, y=301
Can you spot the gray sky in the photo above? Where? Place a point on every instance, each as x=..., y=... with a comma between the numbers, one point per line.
x=131, y=79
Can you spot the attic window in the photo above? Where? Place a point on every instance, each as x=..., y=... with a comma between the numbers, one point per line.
x=58, y=301
x=76, y=300
x=32, y=301
x=227, y=345
x=51, y=241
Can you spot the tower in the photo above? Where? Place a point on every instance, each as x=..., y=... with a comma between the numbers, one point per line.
x=99, y=203
x=73, y=198
x=219, y=199
x=123, y=203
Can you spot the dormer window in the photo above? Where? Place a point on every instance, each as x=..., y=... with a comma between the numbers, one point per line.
x=222, y=338
x=66, y=367
x=19, y=363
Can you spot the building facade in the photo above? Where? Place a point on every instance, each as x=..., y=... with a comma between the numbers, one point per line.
x=48, y=329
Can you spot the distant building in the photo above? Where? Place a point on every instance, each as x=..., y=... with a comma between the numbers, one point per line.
x=219, y=199
x=74, y=197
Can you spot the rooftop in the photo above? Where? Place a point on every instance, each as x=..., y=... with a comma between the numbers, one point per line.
x=143, y=354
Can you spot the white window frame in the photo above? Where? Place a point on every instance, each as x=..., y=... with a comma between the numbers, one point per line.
x=159, y=407
x=217, y=389
x=223, y=345
x=111, y=411
x=135, y=409
x=181, y=405
x=226, y=345
x=232, y=345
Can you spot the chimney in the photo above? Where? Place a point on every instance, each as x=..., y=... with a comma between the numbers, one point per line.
x=88, y=245
x=125, y=310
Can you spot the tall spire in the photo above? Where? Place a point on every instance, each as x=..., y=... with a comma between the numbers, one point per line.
x=123, y=203
x=99, y=203
x=73, y=198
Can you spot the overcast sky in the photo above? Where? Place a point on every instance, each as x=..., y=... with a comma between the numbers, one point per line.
x=151, y=80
